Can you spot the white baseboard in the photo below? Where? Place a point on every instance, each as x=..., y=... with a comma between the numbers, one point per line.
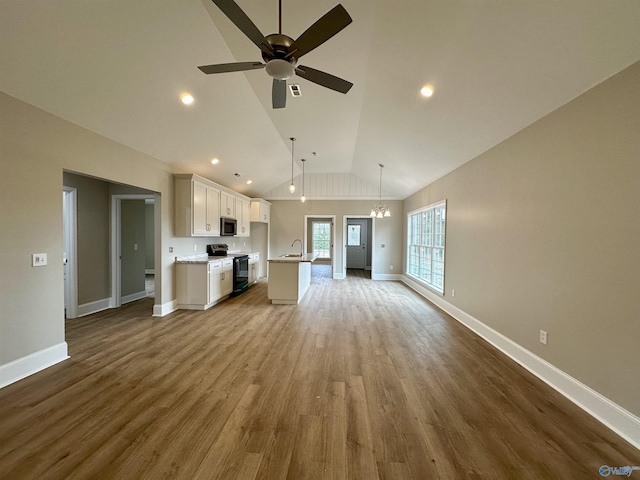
x=29, y=364
x=338, y=276
x=386, y=276
x=94, y=307
x=612, y=415
x=160, y=310
x=149, y=271
x=133, y=297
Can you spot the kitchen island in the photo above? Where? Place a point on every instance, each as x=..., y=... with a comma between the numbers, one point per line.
x=289, y=278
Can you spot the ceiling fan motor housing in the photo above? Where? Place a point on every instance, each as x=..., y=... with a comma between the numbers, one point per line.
x=278, y=66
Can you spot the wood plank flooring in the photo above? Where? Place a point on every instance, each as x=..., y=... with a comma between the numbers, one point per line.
x=362, y=380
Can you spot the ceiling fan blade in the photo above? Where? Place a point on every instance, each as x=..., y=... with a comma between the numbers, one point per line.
x=321, y=31
x=324, y=79
x=243, y=22
x=231, y=67
x=279, y=93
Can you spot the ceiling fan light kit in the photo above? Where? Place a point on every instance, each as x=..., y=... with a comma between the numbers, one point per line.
x=380, y=211
x=281, y=53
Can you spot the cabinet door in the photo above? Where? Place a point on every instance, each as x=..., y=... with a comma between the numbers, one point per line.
x=265, y=212
x=200, y=200
x=227, y=205
x=243, y=212
x=226, y=283
x=213, y=212
x=214, y=281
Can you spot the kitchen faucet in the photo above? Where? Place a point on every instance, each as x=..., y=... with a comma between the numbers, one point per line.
x=298, y=240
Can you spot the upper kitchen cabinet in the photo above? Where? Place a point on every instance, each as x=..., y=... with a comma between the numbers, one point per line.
x=197, y=207
x=260, y=210
x=227, y=205
x=243, y=217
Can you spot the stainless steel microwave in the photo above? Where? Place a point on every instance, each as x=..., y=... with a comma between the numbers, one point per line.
x=227, y=227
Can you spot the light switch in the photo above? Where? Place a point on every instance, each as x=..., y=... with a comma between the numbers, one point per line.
x=39, y=259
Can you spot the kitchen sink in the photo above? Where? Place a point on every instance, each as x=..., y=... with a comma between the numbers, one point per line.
x=291, y=255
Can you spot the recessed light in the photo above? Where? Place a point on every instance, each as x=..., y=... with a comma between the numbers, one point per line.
x=214, y=161
x=187, y=99
x=249, y=182
x=426, y=91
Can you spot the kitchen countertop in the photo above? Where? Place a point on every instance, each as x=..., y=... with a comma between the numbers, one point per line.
x=204, y=258
x=307, y=257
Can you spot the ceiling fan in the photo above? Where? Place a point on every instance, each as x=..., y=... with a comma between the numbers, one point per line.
x=281, y=53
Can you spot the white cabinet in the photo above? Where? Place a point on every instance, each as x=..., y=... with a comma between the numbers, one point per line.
x=227, y=205
x=243, y=216
x=254, y=267
x=203, y=284
x=226, y=277
x=215, y=291
x=260, y=210
x=197, y=207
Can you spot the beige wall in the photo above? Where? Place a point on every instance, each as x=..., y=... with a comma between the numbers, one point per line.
x=35, y=149
x=287, y=224
x=543, y=232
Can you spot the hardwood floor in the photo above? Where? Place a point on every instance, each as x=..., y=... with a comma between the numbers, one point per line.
x=362, y=380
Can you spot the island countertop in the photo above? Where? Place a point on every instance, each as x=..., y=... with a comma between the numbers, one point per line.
x=307, y=257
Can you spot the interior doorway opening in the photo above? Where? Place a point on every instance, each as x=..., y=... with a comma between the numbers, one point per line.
x=358, y=242
x=319, y=238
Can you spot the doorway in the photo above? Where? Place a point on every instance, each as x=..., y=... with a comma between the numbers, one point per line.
x=130, y=280
x=358, y=251
x=319, y=238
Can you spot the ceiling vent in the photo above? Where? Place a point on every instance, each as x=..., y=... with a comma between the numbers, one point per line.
x=295, y=90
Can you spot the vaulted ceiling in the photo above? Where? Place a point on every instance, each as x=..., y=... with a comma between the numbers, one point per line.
x=119, y=67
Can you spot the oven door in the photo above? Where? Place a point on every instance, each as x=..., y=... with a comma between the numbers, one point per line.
x=240, y=274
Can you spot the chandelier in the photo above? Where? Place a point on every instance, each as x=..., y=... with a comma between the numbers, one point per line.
x=379, y=211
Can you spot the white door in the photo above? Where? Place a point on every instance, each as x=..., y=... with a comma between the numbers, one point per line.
x=69, y=202
x=356, y=243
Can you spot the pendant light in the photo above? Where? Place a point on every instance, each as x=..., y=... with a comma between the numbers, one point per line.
x=302, y=197
x=379, y=211
x=292, y=187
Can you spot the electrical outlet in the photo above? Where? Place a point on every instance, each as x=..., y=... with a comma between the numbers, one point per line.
x=195, y=248
x=390, y=267
x=453, y=292
x=170, y=249
x=135, y=246
x=382, y=245
x=543, y=337
x=38, y=259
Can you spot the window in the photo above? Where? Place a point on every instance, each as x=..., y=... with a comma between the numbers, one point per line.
x=321, y=242
x=353, y=236
x=426, y=244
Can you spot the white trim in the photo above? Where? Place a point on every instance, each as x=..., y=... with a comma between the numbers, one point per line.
x=307, y=198
x=149, y=271
x=338, y=276
x=29, y=364
x=94, y=307
x=386, y=276
x=160, y=310
x=132, y=297
x=612, y=415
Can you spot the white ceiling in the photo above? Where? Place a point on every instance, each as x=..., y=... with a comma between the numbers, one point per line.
x=118, y=68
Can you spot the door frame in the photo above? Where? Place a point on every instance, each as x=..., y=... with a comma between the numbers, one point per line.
x=333, y=238
x=70, y=221
x=345, y=218
x=116, y=242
